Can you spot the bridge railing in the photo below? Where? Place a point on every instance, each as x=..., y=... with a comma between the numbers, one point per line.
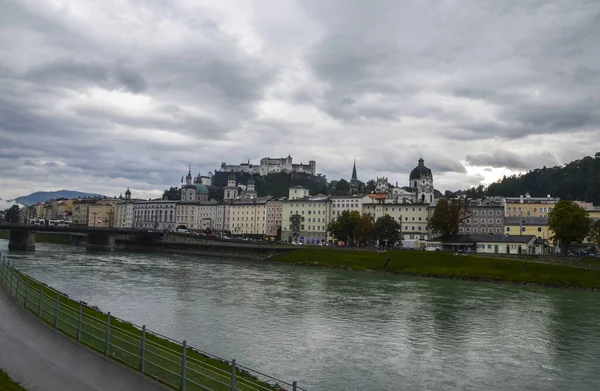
x=174, y=363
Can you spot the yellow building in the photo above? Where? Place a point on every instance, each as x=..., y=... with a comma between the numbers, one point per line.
x=40, y=210
x=304, y=218
x=527, y=206
x=248, y=216
x=593, y=211
x=537, y=226
x=413, y=218
x=102, y=213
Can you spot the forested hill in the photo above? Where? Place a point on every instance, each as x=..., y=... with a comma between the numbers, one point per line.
x=578, y=180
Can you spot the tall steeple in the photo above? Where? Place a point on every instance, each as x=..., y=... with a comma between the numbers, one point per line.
x=354, y=183
x=354, y=177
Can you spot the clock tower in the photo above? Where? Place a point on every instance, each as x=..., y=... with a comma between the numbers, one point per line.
x=421, y=182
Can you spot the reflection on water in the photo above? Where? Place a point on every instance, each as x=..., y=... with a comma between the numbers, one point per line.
x=338, y=330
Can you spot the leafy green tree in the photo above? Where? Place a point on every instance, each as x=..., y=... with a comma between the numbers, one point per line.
x=387, y=230
x=569, y=222
x=595, y=232
x=342, y=228
x=172, y=194
x=363, y=231
x=447, y=216
x=11, y=215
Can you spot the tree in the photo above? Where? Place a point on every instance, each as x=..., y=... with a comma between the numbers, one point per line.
x=595, y=232
x=363, y=231
x=387, y=230
x=569, y=222
x=370, y=186
x=342, y=228
x=447, y=216
x=11, y=214
x=342, y=187
x=173, y=194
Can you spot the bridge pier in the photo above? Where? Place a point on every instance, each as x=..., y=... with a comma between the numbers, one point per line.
x=21, y=240
x=100, y=242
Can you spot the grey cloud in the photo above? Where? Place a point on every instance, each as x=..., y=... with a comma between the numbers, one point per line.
x=511, y=160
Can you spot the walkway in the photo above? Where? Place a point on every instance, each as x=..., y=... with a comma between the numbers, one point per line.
x=43, y=360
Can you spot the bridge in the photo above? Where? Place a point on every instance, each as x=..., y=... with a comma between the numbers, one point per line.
x=22, y=237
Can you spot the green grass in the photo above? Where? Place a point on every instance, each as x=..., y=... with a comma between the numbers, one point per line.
x=163, y=357
x=7, y=384
x=42, y=237
x=436, y=264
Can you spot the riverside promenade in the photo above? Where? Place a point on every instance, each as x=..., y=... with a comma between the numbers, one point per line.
x=41, y=359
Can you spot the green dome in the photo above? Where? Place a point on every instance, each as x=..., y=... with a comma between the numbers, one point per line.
x=201, y=189
x=251, y=181
x=231, y=177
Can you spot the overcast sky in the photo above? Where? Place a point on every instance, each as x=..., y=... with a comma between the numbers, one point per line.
x=100, y=95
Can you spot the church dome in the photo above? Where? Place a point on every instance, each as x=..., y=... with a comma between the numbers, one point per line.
x=231, y=177
x=251, y=181
x=201, y=189
x=420, y=170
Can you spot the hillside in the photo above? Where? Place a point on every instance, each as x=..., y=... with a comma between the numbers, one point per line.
x=578, y=180
x=41, y=196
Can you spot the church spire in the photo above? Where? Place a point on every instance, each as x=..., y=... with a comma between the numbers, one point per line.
x=354, y=177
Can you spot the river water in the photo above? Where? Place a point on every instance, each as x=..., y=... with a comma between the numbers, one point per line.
x=340, y=330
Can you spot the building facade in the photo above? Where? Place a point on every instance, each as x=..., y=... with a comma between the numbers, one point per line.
x=155, y=215
x=101, y=214
x=223, y=219
x=186, y=215
x=274, y=211
x=489, y=244
x=271, y=165
x=527, y=206
x=352, y=203
x=305, y=218
x=413, y=218
x=249, y=216
x=207, y=215
x=486, y=216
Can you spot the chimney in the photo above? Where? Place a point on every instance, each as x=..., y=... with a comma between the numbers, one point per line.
x=521, y=198
x=549, y=196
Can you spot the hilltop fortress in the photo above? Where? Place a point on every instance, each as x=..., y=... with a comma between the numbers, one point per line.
x=270, y=166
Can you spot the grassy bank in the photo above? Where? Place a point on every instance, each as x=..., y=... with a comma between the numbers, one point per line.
x=162, y=356
x=7, y=384
x=435, y=264
x=42, y=237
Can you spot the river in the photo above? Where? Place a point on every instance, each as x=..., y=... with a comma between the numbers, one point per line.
x=340, y=330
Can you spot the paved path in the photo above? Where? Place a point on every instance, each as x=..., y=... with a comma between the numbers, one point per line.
x=43, y=360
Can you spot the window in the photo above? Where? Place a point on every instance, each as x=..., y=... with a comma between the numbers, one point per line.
x=523, y=229
x=490, y=221
x=489, y=246
x=475, y=221
x=539, y=229
x=497, y=221
x=528, y=213
x=475, y=229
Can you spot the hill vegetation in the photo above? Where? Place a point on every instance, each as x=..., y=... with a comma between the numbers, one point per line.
x=42, y=196
x=578, y=180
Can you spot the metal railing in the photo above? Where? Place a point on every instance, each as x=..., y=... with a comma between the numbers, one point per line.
x=174, y=363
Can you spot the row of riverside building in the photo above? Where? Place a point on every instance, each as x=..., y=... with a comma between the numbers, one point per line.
x=512, y=224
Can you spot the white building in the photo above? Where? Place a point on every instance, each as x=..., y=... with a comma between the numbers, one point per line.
x=186, y=214
x=124, y=211
x=419, y=190
x=223, y=217
x=304, y=218
x=155, y=215
x=206, y=218
x=349, y=203
x=271, y=165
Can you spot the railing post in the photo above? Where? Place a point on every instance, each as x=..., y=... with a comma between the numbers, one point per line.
x=40, y=300
x=183, y=364
x=233, y=386
x=56, y=310
x=79, y=317
x=26, y=293
x=17, y=290
x=107, y=339
x=294, y=386
x=143, y=352
x=12, y=271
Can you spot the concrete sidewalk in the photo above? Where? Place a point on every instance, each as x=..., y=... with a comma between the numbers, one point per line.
x=43, y=360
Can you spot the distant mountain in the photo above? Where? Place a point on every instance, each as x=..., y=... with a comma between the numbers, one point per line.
x=41, y=196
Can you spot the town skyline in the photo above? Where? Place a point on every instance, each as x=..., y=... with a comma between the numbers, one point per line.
x=99, y=96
